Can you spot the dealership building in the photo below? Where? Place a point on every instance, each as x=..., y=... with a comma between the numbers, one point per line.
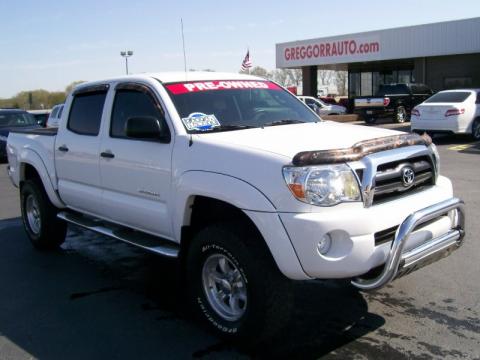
x=443, y=55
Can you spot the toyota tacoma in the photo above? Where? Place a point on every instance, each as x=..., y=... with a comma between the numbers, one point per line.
x=241, y=181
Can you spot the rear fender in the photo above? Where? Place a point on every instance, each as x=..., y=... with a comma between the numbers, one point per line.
x=30, y=157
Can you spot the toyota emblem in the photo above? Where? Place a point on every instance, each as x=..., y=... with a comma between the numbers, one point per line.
x=408, y=176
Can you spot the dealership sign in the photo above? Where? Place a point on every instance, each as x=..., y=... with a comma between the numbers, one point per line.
x=438, y=39
x=328, y=51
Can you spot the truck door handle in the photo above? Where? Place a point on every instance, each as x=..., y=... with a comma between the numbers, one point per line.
x=63, y=148
x=107, y=155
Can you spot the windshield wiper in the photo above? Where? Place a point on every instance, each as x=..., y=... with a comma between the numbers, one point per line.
x=222, y=128
x=284, y=122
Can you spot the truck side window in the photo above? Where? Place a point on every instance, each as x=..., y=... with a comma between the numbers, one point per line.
x=86, y=113
x=129, y=104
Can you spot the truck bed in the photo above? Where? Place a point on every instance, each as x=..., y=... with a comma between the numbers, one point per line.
x=38, y=149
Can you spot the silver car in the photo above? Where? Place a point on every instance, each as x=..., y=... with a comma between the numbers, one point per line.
x=322, y=108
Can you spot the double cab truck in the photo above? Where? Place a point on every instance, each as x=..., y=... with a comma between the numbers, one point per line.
x=392, y=101
x=243, y=183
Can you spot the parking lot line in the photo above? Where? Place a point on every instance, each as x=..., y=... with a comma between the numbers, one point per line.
x=460, y=147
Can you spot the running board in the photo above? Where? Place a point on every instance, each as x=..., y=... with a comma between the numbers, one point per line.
x=136, y=238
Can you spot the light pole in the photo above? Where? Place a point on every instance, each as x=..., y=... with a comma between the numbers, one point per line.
x=126, y=54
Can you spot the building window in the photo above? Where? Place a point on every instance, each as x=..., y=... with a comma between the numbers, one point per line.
x=404, y=76
x=366, y=84
x=457, y=82
x=354, y=84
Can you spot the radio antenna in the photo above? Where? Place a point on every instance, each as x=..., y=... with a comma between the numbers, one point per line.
x=184, y=53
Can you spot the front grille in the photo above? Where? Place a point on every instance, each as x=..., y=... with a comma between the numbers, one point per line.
x=390, y=178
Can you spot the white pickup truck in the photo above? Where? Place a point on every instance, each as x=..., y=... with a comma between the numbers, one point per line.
x=243, y=183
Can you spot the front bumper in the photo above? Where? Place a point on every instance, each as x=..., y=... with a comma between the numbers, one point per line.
x=353, y=229
x=400, y=262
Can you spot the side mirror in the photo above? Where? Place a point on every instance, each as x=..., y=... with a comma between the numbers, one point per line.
x=146, y=128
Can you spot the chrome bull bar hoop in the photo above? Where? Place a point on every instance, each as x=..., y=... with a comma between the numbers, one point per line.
x=398, y=259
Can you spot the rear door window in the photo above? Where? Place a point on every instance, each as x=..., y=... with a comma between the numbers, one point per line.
x=86, y=113
x=449, y=97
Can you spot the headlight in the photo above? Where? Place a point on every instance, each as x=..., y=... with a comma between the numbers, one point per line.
x=3, y=138
x=436, y=158
x=322, y=185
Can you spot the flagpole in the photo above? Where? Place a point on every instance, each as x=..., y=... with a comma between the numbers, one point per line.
x=184, y=54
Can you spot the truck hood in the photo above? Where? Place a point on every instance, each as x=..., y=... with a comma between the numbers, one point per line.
x=288, y=140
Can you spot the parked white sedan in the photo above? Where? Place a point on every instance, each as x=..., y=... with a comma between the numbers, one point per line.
x=55, y=116
x=322, y=108
x=453, y=111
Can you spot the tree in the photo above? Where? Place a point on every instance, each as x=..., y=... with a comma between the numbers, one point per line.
x=258, y=71
x=281, y=76
x=35, y=99
x=341, y=81
x=325, y=77
x=295, y=76
x=206, y=70
x=70, y=87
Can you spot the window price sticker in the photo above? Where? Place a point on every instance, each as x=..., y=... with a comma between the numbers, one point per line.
x=200, y=121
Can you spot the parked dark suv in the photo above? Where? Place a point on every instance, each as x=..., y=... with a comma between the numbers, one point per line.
x=13, y=119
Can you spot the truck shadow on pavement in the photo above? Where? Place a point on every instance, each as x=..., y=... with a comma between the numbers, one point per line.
x=96, y=298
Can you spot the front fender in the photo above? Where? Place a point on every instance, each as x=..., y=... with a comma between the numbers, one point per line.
x=250, y=200
x=30, y=157
x=229, y=189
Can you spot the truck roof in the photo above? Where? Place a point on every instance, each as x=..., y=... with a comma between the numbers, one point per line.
x=177, y=76
x=169, y=77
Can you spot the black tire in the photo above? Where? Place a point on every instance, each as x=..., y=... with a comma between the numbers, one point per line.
x=400, y=115
x=370, y=120
x=49, y=232
x=268, y=293
x=476, y=130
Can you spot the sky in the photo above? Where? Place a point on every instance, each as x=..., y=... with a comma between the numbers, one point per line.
x=49, y=44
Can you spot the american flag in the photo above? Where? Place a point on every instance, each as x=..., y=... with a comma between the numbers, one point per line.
x=246, y=63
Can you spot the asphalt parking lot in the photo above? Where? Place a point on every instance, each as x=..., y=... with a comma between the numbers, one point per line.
x=96, y=298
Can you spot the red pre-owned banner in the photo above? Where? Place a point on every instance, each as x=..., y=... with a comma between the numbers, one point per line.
x=188, y=87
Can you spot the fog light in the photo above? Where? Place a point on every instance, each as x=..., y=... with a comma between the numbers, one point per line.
x=324, y=244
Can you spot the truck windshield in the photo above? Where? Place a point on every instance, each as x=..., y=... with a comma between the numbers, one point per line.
x=15, y=119
x=449, y=97
x=233, y=104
